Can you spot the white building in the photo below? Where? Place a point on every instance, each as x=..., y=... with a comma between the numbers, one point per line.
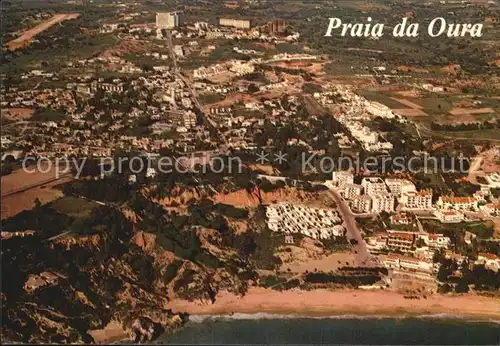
x=400, y=186
x=490, y=261
x=449, y=216
x=352, y=190
x=457, y=203
x=493, y=180
x=492, y=209
x=399, y=262
x=168, y=20
x=361, y=204
x=342, y=178
x=435, y=240
x=373, y=186
x=379, y=110
x=235, y=23
x=421, y=200
x=383, y=202
x=376, y=243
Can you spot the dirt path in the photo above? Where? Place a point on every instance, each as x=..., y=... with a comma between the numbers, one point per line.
x=26, y=37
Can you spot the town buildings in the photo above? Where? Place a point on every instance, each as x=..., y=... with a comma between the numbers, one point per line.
x=457, y=203
x=235, y=23
x=406, y=263
x=400, y=186
x=373, y=186
x=316, y=223
x=361, y=204
x=401, y=241
x=418, y=200
x=492, y=209
x=383, y=202
x=449, y=216
x=351, y=191
x=493, y=180
x=342, y=178
x=276, y=27
x=169, y=20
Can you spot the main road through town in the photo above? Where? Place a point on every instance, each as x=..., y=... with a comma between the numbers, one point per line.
x=362, y=255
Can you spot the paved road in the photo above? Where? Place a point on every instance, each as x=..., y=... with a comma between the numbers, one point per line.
x=363, y=256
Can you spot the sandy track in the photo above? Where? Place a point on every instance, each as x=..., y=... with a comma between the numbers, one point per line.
x=27, y=36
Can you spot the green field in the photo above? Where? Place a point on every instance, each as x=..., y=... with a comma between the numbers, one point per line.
x=383, y=98
x=73, y=206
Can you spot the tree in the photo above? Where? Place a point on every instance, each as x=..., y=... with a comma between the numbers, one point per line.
x=252, y=88
x=462, y=287
x=420, y=243
x=443, y=289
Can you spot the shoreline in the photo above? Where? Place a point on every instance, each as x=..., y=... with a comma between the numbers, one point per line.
x=261, y=303
x=281, y=315
x=346, y=303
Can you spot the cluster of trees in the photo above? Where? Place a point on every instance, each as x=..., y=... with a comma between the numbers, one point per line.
x=487, y=125
x=257, y=246
x=481, y=278
x=332, y=278
x=111, y=189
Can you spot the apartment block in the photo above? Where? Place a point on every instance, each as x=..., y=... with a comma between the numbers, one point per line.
x=449, y=216
x=342, y=178
x=402, y=241
x=235, y=23
x=361, y=204
x=373, y=186
x=421, y=200
x=399, y=186
x=435, y=240
x=457, y=203
x=169, y=20
x=352, y=190
x=383, y=202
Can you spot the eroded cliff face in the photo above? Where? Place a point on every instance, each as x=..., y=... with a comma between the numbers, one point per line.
x=130, y=265
x=240, y=198
x=101, y=281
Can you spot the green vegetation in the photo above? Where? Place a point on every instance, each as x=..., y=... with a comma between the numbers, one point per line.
x=271, y=280
x=311, y=88
x=208, y=98
x=480, y=278
x=72, y=206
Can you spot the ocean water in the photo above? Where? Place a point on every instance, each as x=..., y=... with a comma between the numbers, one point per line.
x=275, y=329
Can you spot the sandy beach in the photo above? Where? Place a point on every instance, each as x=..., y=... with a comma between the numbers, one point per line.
x=353, y=303
x=113, y=332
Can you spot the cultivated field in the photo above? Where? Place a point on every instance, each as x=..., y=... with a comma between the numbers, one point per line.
x=465, y=111
x=27, y=36
x=20, y=189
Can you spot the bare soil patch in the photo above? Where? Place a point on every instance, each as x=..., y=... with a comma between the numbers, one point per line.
x=27, y=36
x=325, y=264
x=410, y=112
x=17, y=113
x=473, y=111
x=407, y=103
x=14, y=204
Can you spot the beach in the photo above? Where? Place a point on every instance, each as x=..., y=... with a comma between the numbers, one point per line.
x=113, y=332
x=323, y=302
